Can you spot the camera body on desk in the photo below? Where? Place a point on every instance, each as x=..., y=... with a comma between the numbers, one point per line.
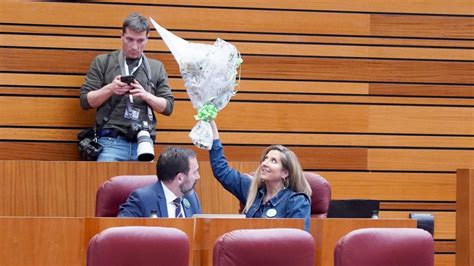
x=145, y=150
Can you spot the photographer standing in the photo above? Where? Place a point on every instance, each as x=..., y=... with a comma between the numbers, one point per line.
x=126, y=87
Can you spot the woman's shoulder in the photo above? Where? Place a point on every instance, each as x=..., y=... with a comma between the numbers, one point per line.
x=298, y=205
x=298, y=197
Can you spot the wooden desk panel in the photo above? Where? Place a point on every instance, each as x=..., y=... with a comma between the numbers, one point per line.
x=42, y=241
x=208, y=231
x=328, y=231
x=93, y=226
x=64, y=241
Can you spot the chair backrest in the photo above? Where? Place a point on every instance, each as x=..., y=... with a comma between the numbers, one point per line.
x=385, y=246
x=115, y=191
x=321, y=194
x=139, y=245
x=275, y=247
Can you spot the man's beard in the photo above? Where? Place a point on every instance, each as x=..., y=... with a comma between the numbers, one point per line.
x=187, y=191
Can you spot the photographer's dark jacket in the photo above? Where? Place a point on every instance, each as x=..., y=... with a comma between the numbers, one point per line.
x=98, y=76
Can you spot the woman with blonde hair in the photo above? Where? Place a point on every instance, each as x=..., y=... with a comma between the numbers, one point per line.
x=278, y=190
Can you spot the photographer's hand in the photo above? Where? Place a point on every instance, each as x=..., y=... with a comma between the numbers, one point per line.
x=138, y=91
x=98, y=97
x=158, y=104
x=118, y=87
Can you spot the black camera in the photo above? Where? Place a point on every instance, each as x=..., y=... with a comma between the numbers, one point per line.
x=135, y=128
x=89, y=149
x=127, y=79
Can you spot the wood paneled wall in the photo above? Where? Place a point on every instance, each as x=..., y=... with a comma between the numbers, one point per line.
x=377, y=92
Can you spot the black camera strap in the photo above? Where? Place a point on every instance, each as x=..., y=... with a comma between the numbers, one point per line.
x=151, y=114
x=112, y=106
x=106, y=118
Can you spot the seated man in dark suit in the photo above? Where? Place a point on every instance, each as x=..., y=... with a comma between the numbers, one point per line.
x=173, y=194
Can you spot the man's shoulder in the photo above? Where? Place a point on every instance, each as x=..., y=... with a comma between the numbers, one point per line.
x=103, y=57
x=146, y=191
x=154, y=62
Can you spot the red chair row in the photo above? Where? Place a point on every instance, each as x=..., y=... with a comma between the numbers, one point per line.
x=142, y=245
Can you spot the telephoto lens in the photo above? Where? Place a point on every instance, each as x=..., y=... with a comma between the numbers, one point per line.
x=145, y=149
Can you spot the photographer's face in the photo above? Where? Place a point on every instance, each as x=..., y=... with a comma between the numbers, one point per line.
x=133, y=43
x=191, y=178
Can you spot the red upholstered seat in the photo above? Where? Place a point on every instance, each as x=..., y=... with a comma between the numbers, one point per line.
x=272, y=247
x=139, y=246
x=385, y=246
x=115, y=191
x=321, y=194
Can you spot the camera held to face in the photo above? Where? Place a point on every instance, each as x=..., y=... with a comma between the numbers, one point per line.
x=145, y=150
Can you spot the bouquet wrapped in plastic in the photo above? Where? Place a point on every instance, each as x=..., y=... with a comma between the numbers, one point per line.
x=209, y=73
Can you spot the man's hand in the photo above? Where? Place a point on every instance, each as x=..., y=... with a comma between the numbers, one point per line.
x=138, y=91
x=98, y=97
x=157, y=104
x=118, y=87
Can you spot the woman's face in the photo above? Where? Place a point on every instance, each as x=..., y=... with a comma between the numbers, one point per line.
x=271, y=168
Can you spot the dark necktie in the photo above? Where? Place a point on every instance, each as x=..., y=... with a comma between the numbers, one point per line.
x=178, y=213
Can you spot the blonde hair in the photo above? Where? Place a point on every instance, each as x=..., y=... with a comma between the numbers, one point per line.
x=296, y=180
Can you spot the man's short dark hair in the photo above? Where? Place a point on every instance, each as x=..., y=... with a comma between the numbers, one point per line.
x=135, y=22
x=172, y=161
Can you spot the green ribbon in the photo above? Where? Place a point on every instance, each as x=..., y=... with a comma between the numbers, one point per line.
x=207, y=113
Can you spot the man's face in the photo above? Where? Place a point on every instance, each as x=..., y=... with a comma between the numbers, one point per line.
x=133, y=43
x=191, y=178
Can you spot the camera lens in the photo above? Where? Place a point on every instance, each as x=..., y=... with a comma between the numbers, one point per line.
x=145, y=149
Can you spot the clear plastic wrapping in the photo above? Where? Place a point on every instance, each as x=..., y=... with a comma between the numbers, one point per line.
x=210, y=73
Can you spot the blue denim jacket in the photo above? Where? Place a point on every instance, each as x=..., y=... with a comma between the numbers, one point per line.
x=285, y=204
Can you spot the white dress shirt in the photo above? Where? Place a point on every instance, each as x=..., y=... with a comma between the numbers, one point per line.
x=170, y=196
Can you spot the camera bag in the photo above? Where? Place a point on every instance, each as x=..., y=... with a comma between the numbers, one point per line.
x=89, y=147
